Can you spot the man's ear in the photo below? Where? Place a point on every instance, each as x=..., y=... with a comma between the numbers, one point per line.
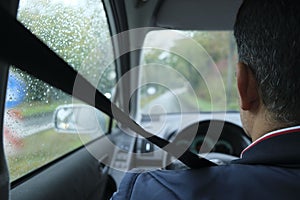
x=247, y=88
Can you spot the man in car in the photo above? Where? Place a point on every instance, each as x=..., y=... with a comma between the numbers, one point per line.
x=267, y=33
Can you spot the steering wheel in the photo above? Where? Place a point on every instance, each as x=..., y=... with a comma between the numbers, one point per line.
x=216, y=140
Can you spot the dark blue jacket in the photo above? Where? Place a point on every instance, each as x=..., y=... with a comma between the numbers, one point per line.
x=268, y=169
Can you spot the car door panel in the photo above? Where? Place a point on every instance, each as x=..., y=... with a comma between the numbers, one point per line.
x=77, y=176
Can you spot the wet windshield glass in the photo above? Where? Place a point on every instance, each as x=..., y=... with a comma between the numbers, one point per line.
x=188, y=71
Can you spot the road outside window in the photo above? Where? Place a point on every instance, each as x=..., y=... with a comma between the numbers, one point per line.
x=186, y=72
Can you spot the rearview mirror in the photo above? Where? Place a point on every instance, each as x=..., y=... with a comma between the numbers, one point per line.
x=80, y=118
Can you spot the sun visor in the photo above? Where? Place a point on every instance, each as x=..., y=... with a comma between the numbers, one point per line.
x=197, y=14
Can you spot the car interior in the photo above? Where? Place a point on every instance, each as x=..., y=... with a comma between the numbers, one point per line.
x=91, y=89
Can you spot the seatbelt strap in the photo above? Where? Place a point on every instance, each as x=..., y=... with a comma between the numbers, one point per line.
x=19, y=47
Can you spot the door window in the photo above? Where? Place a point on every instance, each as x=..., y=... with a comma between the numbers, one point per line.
x=77, y=30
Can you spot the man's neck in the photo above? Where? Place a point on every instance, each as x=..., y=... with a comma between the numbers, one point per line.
x=262, y=124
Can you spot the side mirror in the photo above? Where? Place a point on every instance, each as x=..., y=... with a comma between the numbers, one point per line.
x=79, y=118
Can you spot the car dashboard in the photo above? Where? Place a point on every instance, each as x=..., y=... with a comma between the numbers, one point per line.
x=194, y=131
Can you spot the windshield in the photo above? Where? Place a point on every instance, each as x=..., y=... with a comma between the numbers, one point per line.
x=188, y=71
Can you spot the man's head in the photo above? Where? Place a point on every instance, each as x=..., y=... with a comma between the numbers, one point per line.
x=267, y=33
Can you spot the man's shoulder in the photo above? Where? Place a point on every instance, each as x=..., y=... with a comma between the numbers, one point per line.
x=208, y=182
x=127, y=184
x=166, y=184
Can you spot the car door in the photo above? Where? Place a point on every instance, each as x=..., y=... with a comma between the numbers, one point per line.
x=44, y=162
